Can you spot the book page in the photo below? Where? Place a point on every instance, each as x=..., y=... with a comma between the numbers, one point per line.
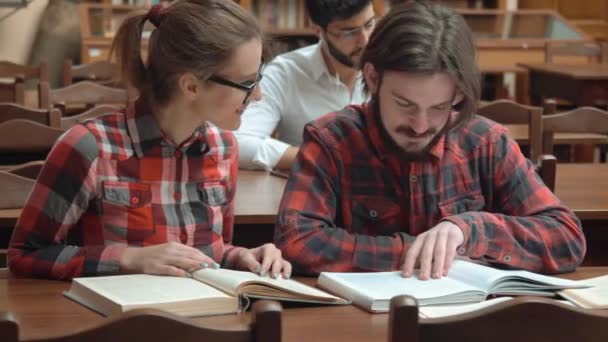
x=493, y=280
x=437, y=311
x=140, y=289
x=595, y=297
x=230, y=281
x=385, y=285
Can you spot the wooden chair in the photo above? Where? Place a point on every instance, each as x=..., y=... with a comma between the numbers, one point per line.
x=10, y=111
x=103, y=72
x=15, y=190
x=547, y=170
x=594, y=52
x=24, y=140
x=9, y=329
x=85, y=93
x=15, y=91
x=70, y=121
x=524, y=319
x=581, y=120
x=507, y=112
x=159, y=326
x=29, y=170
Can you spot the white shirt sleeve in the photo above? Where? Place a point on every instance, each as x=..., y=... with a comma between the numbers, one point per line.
x=257, y=149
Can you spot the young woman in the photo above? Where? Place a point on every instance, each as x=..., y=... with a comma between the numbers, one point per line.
x=150, y=189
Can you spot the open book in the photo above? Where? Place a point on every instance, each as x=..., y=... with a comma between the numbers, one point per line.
x=466, y=282
x=208, y=292
x=595, y=297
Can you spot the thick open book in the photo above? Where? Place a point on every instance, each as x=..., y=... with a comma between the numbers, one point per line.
x=595, y=297
x=208, y=292
x=466, y=282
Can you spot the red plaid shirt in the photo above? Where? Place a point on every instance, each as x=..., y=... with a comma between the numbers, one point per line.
x=117, y=181
x=352, y=204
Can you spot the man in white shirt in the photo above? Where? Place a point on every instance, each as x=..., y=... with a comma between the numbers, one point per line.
x=301, y=85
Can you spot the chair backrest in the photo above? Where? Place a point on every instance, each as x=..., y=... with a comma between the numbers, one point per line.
x=547, y=170
x=70, y=121
x=10, y=111
x=29, y=170
x=9, y=329
x=594, y=52
x=102, y=72
x=21, y=135
x=580, y=120
x=82, y=93
x=15, y=190
x=524, y=319
x=15, y=90
x=159, y=326
x=507, y=112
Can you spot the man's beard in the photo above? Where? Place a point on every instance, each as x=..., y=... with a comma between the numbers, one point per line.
x=341, y=57
x=421, y=155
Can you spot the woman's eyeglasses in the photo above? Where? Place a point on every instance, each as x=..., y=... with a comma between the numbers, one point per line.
x=248, y=86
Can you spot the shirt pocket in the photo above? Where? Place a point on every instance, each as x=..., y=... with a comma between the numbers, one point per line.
x=376, y=216
x=462, y=204
x=127, y=211
x=214, y=199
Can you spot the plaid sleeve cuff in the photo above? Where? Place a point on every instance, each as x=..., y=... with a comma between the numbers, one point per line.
x=473, y=246
x=109, y=262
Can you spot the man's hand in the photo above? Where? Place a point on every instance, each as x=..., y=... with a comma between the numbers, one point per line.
x=434, y=250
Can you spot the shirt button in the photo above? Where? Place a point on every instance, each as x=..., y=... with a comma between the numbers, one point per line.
x=373, y=213
x=462, y=250
x=178, y=154
x=413, y=178
x=507, y=258
x=135, y=200
x=177, y=196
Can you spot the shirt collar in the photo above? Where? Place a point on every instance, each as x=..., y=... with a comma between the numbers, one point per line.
x=383, y=143
x=318, y=66
x=145, y=132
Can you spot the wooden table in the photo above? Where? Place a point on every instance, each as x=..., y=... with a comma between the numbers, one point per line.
x=581, y=84
x=257, y=199
x=42, y=311
x=519, y=133
x=584, y=189
x=258, y=196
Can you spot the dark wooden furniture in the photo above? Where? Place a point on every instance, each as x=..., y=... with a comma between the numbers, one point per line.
x=70, y=121
x=42, y=311
x=507, y=112
x=10, y=111
x=9, y=329
x=102, y=72
x=20, y=135
x=580, y=84
x=85, y=93
x=591, y=51
x=580, y=120
x=160, y=326
x=14, y=91
x=525, y=319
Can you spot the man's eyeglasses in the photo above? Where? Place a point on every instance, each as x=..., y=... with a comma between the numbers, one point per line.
x=248, y=86
x=353, y=33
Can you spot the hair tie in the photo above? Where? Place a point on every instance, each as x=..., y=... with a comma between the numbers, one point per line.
x=155, y=14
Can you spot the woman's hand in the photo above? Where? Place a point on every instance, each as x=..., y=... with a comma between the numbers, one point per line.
x=264, y=260
x=172, y=258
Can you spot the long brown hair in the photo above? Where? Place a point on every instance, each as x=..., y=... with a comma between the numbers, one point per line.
x=424, y=37
x=196, y=36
